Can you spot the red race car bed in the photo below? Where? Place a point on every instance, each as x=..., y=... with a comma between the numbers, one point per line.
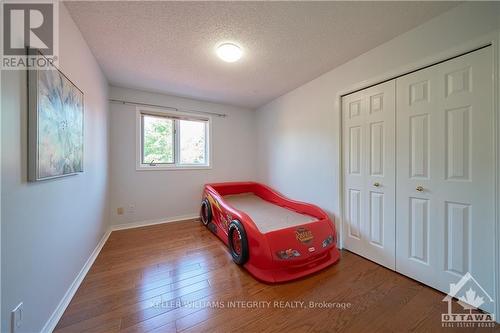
x=276, y=239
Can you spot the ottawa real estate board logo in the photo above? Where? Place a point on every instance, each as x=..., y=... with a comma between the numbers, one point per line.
x=29, y=34
x=473, y=300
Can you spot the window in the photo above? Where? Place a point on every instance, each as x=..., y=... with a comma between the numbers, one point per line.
x=158, y=140
x=172, y=141
x=192, y=145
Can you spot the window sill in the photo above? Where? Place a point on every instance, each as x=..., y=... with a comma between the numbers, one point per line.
x=172, y=168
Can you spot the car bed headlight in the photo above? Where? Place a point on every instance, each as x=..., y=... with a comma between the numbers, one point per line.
x=327, y=241
x=288, y=254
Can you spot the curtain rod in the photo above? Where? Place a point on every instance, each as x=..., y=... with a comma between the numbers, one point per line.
x=119, y=101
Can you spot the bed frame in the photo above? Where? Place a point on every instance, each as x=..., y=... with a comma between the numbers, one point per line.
x=275, y=238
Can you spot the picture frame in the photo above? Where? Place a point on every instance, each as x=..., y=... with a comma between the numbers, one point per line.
x=55, y=124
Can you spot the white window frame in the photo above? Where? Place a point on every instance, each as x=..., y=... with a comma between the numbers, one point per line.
x=176, y=115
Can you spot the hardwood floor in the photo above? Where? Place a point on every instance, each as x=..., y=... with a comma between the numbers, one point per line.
x=180, y=277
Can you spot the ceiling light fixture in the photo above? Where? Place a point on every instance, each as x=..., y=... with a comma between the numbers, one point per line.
x=229, y=52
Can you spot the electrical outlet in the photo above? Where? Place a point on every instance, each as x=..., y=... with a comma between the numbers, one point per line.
x=131, y=209
x=119, y=211
x=16, y=318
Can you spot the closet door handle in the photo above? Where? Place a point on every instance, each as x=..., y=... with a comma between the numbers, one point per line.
x=376, y=184
x=419, y=188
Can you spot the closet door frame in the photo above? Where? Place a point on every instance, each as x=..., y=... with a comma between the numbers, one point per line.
x=492, y=40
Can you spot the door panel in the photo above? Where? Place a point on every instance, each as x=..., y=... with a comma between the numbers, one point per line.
x=376, y=222
x=457, y=237
x=457, y=127
x=355, y=150
x=419, y=230
x=355, y=213
x=369, y=175
x=419, y=146
x=445, y=176
x=377, y=148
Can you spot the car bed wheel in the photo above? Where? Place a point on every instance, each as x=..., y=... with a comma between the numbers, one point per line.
x=238, y=242
x=206, y=212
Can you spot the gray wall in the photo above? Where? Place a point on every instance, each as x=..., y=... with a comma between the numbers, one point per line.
x=299, y=132
x=172, y=194
x=50, y=228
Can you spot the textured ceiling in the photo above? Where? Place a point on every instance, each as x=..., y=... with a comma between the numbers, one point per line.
x=168, y=47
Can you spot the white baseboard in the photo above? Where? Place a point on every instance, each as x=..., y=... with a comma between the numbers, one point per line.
x=50, y=325
x=153, y=222
x=63, y=304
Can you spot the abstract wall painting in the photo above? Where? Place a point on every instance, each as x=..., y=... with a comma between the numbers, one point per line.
x=55, y=125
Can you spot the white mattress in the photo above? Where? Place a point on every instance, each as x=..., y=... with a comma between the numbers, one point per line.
x=267, y=216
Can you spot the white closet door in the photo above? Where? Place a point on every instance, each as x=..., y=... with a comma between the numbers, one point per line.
x=445, y=172
x=369, y=176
